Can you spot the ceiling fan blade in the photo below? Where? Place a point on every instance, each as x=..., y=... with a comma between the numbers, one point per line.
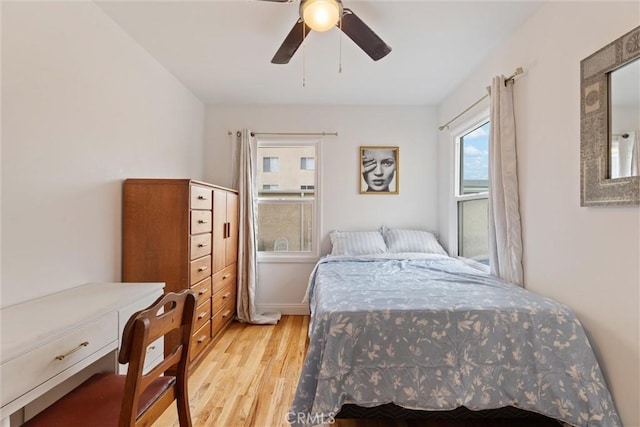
x=291, y=43
x=364, y=36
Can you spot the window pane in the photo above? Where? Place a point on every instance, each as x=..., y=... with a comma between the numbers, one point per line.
x=270, y=164
x=286, y=198
x=473, y=230
x=474, y=161
x=285, y=226
x=283, y=167
x=307, y=163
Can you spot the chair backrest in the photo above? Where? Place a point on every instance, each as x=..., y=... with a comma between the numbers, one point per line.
x=281, y=245
x=172, y=313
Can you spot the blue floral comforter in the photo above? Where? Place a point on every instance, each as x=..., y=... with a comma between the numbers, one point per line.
x=434, y=334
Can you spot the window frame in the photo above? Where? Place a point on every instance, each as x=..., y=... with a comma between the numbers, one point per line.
x=316, y=232
x=455, y=195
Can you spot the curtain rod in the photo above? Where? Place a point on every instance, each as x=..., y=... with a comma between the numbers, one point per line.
x=518, y=71
x=290, y=133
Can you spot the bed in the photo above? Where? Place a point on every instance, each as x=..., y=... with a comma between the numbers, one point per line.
x=426, y=331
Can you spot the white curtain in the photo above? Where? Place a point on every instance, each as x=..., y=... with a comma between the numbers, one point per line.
x=505, y=236
x=625, y=154
x=247, y=239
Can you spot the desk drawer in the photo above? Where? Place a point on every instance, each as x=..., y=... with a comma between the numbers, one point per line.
x=31, y=369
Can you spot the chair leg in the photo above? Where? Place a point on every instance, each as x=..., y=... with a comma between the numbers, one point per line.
x=182, y=404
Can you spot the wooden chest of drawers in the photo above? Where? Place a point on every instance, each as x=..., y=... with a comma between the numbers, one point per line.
x=184, y=233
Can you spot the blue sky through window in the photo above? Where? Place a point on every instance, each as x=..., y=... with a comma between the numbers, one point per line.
x=475, y=147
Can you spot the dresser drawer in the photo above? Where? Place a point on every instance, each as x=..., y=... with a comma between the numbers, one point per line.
x=31, y=369
x=226, y=294
x=202, y=290
x=200, y=269
x=203, y=314
x=200, y=245
x=200, y=222
x=223, y=317
x=200, y=339
x=222, y=278
x=200, y=197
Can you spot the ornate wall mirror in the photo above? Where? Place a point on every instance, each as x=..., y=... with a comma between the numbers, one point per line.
x=610, y=124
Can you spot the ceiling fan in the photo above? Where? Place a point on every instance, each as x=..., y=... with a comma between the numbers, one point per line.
x=322, y=15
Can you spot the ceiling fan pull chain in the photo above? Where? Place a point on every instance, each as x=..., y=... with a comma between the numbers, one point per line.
x=340, y=48
x=304, y=57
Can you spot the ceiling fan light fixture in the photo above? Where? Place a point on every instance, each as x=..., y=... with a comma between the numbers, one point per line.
x=320, y=15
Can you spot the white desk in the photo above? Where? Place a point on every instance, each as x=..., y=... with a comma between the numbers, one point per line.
x=48, y=340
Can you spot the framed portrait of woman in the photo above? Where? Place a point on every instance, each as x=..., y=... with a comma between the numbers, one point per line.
x=379, y=168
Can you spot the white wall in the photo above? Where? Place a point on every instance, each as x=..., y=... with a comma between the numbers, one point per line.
x=282, y=286
x=83, y=107
x=587, y=258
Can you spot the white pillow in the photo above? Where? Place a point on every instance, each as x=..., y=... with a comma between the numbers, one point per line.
x=355, y=243
x=412, y=241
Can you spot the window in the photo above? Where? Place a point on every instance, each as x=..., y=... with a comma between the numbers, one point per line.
x=270, y=164
x=471, y=196
x=307, y=163
x=287, y=202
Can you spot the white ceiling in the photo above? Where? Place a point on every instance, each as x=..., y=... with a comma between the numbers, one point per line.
x=221, y=49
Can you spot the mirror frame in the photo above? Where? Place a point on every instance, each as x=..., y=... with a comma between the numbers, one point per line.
x=596, y=189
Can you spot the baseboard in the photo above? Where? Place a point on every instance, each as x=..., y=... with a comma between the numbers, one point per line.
x=287, y=309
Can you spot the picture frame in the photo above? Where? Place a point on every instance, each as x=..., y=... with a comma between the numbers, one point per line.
x=379, y=169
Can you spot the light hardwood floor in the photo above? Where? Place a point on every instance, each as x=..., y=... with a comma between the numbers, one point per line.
x=250, y=377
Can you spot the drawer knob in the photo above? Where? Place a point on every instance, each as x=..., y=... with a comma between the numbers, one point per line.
x=203, y=291
x=151, y=348
x=202, y=198
x=226, y=313
x=225, y=296
x=203, y=221
x=201, y=315
x=202, y=339
x=70, y=352
x=202, y=245
x=204, y=268
x=225, y=277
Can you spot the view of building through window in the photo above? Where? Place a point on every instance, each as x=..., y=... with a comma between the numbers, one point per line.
x=472, y=195
x=286, y=197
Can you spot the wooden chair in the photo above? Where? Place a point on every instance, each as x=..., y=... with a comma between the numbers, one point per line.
x=134, y=399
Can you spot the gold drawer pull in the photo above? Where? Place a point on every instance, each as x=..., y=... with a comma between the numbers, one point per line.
x=226, y=313
x=202, y=221
x=201, y=315
x=202, y=198
x=62, y=356
x=203, y=268
x=202, y=339
x=225, y=296
x=202, y=245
